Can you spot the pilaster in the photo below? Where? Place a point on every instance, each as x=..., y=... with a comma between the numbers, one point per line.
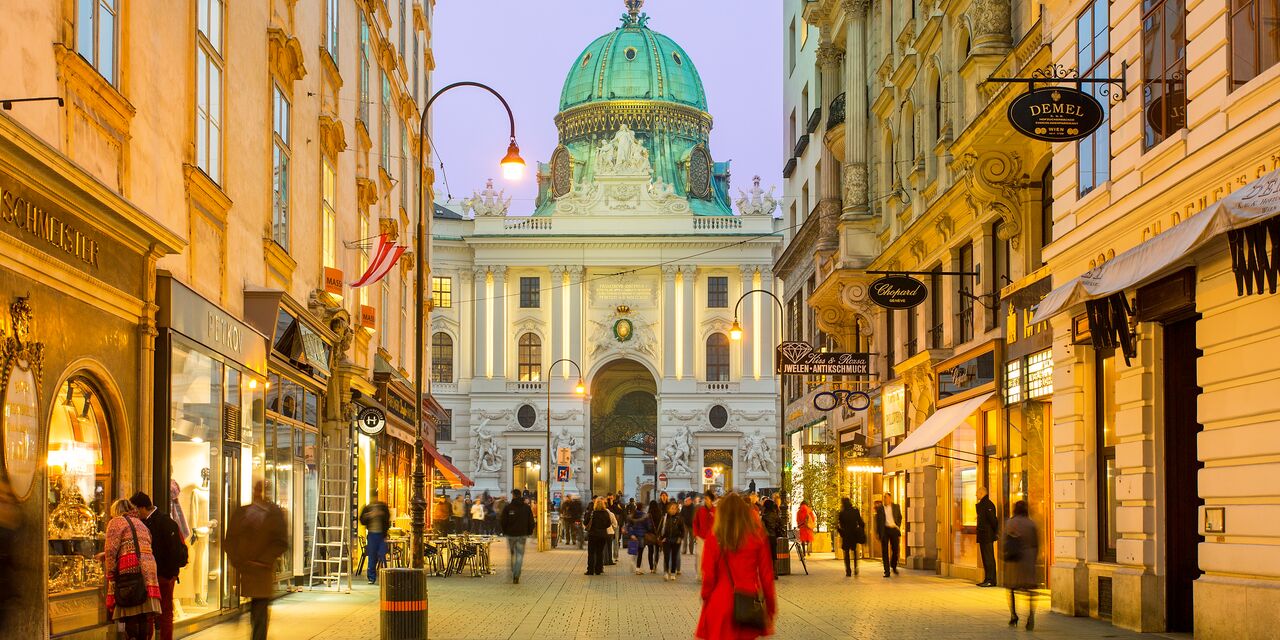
x=688, y=328
x=501, y=343
x=746, y=317
x=575, y=312
x=480, y=301
x=669, y=320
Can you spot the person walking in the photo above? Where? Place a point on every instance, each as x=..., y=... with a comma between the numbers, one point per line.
x=517, y=525
x=477, y=517
x=889, y=531
x=774, y=527
x=702, y=524
x=1021, y=551
x=614, y=504
x=376, y=518
x=639, y=534
x=671, y=532
x=457, y=509
x=256, y=536
x=988, y=531
x=133, y=583
x=170, y=553
x=573, y=514
x=853, y=532
x=686, y=515
x=600, y=525
x=806, y=525
x=738, y=597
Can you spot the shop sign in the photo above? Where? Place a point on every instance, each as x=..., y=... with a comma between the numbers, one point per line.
x=184, y=311
x=368, y=317
x=31, y=221
x=1175, y=119
x=893, y=401
x=21, y=427
x=796, y=358
x=333, y=281
x=898, y=292
x=371, y=421
x=960, y=376
x=397, y=406
x=1055, y=114
x=1021, y=335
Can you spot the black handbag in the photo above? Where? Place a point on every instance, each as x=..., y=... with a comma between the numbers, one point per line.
x=748, y=608
x=131, y=588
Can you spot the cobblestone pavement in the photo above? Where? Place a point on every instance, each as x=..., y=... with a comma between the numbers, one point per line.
x=555, y=600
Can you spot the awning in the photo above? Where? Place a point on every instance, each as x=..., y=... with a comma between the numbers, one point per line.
x=939, y=425
x=1255, y=202
x=456, y=479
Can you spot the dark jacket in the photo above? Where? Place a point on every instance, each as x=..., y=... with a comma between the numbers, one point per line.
x=573, y=510
x=639, y=524
x=517, y=519
x=257, y=535
x=598, y=523
x=375, y=517
x=852, y=528
x=686, y=514
x=881, y=523
x=1021, y=549
x=166, y=544
x=671, y=528
x=773, y=527
x=988, y=523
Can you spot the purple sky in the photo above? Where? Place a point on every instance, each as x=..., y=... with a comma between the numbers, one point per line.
x=524, y=48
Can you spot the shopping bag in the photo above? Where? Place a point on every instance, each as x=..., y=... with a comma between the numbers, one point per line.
x=633, y=546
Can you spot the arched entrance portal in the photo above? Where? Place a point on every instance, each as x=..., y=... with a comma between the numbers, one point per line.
x=624, y=430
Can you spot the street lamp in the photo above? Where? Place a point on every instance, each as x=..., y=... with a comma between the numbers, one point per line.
x=544, y=491
x=512, y=168
x=735, y=333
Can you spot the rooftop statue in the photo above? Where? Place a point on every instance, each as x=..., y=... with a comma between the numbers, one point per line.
x=757, y=202
x=488, y=202
x=622, y=155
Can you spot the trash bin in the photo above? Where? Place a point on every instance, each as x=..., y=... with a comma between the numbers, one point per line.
x=782, y=557
x=404, y=604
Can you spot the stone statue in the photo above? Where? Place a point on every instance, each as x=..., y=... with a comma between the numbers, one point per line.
x=566, y=441
x=756, y=452
x=757, y=202
x=489, y=202
x=485, y=457
x=678, y=451
x=622, y=155
x=661, y=189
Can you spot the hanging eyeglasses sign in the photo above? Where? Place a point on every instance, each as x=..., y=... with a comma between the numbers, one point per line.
x=799, y=358
x=1058, y=113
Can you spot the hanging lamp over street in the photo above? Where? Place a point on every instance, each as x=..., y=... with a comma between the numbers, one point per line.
x=512, y=163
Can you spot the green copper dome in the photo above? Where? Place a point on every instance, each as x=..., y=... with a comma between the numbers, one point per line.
x=633, y=62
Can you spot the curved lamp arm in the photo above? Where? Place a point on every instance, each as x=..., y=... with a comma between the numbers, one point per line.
x=735, y=331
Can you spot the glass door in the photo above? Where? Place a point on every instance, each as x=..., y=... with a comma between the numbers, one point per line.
x=231, y=452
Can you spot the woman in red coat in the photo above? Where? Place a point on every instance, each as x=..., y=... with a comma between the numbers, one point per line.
x=806, y=523
x=735, y=558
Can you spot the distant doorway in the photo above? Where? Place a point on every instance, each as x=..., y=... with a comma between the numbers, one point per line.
x=624, y=430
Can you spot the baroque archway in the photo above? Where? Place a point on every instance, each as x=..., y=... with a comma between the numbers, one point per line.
x=624, y=428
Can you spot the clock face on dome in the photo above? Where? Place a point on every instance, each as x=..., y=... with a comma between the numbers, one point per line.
x=700, y=173
x=561, y=172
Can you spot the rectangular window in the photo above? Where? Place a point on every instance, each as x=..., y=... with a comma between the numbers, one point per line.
x=280, y=168
x=964, y=317
x=97, y=26
x=530, y=292
x=718, y=292
x=1013, y=382
x=404, y=322
x=331, y=29
x=444, y=431
x=912, y=330
x=1093, y=58
x=890, y=340
x=416, y=56
x=365, y=55
x=441, y=357
x=1104, y=416
x=384, y=316
x=209, y=65
x=1040, y=374
x=384, y=123
x=364, y=256
x=1001, y=255
x=935, y=308
x=1164, y=66
x=329, y=213
x=441, y=293
x=791, y=48
x=1255, y=38
x=404, y=165
x=404, y=20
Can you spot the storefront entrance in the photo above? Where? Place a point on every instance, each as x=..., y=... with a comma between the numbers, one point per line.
x=1182, y=495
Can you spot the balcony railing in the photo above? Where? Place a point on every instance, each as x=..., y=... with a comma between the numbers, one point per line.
x=524, y=387
x=716, y=222
x=444, y=387
x=836, y=116
x=935, y=336
x=717, y=387
x=814, y=119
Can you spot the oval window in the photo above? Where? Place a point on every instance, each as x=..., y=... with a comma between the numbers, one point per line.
x=675, y=55
x=586, y=59
x=526, y=415
x=630, y=53
x=719, y=416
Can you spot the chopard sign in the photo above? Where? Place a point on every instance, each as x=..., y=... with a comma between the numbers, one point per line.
x=898, y=292
x=33, y=219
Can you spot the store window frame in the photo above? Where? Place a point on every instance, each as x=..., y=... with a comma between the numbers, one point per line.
x=298, y=424
x=1104, y=421
x=1093, y=58
x=1245, y=18
x=1164, y=64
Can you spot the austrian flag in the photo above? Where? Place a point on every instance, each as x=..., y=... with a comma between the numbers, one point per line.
x=384, y=258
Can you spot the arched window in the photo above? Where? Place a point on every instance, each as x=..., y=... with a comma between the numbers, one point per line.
x=441, y=357
x=937, y=108
x=530, y=358
x=717, y=358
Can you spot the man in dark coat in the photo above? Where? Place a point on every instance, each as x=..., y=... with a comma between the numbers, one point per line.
x=686, y=514
x=988, y=531
x=573, y=517
x=171, y=555
x=517, y=525
x=889, y=530
x=257, y=535
x=376, y=518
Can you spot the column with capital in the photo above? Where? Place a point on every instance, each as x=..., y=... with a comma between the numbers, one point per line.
x=669, y=320
x=480, y=333
x=575, y=313
x=557, y=341
x=689, y=323
x=466, y=325
x=499, y=307
x=855, y=100
x=829, y=59
x=768, y=317
x=746, y=317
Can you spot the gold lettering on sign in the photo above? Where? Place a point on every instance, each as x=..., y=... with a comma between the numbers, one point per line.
x=33, y=219
x=224, y=332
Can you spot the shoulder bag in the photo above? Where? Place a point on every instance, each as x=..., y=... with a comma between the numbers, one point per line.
x=748, y=608
x=131, y=588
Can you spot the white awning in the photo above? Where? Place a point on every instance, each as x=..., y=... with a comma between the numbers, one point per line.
x=939, y=425
x=1252, y=203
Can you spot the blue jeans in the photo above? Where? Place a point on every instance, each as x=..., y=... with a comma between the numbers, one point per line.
x=515, y=544
x=375, y=549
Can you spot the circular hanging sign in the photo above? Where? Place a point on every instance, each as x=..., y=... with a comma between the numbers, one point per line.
x=623, y=330
x=371, y=421
x=21, y=418
x=898, y=292
x=1056, y=114
x=1167, y=113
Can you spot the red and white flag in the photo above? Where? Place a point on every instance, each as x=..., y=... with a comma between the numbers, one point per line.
x=384, y=258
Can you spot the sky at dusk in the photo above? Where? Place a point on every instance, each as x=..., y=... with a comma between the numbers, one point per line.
x=524, y=49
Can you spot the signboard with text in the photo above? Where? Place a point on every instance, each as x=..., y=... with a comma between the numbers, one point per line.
x=1056, y=114
x=795, y=358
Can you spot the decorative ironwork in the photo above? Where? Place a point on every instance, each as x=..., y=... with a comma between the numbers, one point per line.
x=1062, y=74
x=521, y=456
x=722, y=457
x=835, y=115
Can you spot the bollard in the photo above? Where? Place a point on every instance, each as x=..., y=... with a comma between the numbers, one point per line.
x=782, y=562
x=404, y=604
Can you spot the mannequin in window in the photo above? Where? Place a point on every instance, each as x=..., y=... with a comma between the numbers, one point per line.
x=200, y=539
x=175, y=508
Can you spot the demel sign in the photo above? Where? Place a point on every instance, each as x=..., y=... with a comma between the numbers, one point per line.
x=898, y=292
x=1056, y=114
